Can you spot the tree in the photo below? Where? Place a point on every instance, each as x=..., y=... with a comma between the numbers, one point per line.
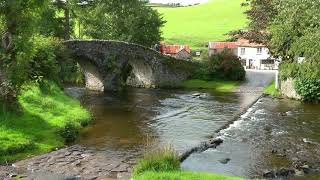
x=125, y=20
x=296, y=30
x=260, y=14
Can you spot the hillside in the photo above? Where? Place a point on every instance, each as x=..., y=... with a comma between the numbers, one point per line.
x=196, y=25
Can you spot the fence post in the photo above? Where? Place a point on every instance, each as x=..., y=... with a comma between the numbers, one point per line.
x=277, y=80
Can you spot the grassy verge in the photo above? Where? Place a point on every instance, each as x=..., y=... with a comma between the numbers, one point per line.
x=218, y=85
x=271, y=90
x=197, y=25
x=45, y=113
x=184, y=175
x=165, y=164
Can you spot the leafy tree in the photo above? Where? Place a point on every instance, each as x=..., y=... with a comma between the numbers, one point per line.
x=260, y=14
x=126, y=20
x=296, y=30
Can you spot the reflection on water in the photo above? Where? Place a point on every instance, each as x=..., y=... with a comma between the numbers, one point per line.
x=274, y=134
x=130, y=120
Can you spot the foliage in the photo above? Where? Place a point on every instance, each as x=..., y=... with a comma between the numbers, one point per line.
x=69, y=70
x=184, y=175
x=308, y=88
x=45, y=111
x=124, y=20
x=271, y=90
x=162, y=160
x=70, y=132
x=225, y=65
x=260, y=14
x=296, y=30
x=299, y=70
x=218, y=85
x=196, y=25
x=306, y=75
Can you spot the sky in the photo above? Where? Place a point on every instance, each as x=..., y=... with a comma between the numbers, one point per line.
x=184, y=2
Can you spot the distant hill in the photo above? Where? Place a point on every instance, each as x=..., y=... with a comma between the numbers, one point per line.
x=197, y=25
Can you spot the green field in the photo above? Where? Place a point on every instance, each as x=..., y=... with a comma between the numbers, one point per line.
x=197, y=25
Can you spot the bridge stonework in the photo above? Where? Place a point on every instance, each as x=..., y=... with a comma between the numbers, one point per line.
x=108, y=65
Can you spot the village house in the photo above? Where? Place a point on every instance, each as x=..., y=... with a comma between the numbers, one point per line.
x=177, y=51
x=252, y=55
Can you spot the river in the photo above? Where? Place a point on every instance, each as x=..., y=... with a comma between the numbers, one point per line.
x=272, y=134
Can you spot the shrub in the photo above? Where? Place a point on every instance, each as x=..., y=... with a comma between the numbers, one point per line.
x=70, y=132
x=226, y=65
x=307, y=78
x=165, y=159
x=309, y=89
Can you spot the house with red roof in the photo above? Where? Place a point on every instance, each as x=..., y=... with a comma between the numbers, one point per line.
x=218, y=47
x=177, y=51
x=252, y=55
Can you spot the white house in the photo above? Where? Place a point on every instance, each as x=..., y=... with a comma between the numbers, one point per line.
x=252, y=55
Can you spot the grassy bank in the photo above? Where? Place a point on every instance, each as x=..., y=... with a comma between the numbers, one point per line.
x=184, y=175
x=197, y=25
x=37, y=128
x=271, y=90
x=218, y=85
x=165, y=164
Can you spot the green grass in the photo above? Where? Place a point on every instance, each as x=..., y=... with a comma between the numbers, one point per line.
x=165, y=164
x=161, y=160
x=218, y=85
x=44, y=112
x=183, y=175
x=271, y=90
x=197, y=25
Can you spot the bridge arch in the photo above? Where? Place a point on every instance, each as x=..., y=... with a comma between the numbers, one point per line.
x=108, y=65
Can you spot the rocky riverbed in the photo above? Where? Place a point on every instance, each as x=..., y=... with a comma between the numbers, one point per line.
x=75, y=162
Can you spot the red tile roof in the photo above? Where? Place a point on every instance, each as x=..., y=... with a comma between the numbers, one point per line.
x=173, y=49
x=247, y=43
x=222, y=45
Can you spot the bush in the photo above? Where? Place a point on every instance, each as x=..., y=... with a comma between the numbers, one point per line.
x=309, y=89
x=224, y=65
x=307, y=78
x=162, y=160
x=70, y=132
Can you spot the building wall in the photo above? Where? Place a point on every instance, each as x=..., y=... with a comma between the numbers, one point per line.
x=252, y=53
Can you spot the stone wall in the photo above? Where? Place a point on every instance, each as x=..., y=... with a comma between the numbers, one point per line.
x=287, y=89
x=113, y=63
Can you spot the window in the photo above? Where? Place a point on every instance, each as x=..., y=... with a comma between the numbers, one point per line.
x=243, y=51
x=259, y=50
x=215, y=51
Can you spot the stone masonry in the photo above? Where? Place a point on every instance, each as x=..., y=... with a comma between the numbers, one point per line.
x=110, y=64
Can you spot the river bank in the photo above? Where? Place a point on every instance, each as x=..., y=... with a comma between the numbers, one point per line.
x=39, y=124
x=140, y=120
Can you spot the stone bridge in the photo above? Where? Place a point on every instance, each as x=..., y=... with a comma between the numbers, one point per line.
x=109, y=65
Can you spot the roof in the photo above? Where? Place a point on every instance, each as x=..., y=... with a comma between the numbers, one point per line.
x=247, y=43
x=232, y=45
x=222, y=45
x=174, y=49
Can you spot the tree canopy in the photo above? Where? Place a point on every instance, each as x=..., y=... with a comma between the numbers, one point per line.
x=125, y=20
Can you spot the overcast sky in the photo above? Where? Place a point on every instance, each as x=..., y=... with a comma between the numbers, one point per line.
x=185, y=2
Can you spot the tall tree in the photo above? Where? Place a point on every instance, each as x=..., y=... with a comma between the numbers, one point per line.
x=296, y=30
x=126, y=20
x=260, y=14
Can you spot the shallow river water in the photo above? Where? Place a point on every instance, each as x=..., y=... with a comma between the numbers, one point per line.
x=272, y=134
